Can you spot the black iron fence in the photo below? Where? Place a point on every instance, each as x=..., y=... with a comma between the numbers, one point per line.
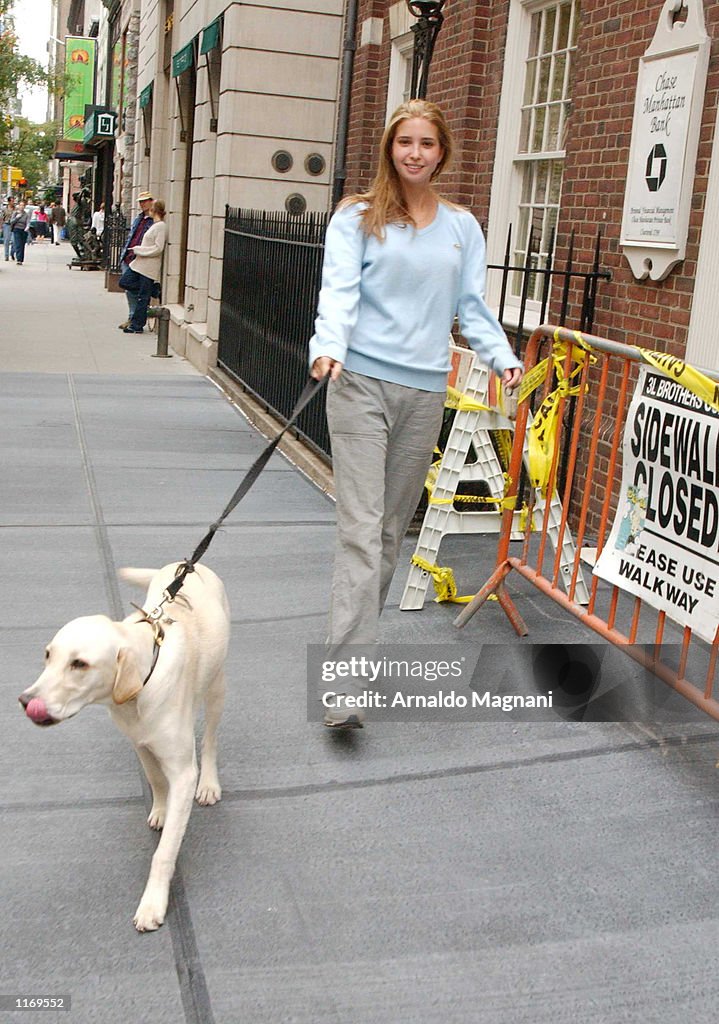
x=271, y=280
x=539, y=283
x=270, y=283
x=114, y=236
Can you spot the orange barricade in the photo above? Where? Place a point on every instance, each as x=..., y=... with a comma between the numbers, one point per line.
x=600, y=378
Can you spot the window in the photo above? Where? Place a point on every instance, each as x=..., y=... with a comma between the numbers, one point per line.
x=400, y=72
x=400, y=63
x=527, y=185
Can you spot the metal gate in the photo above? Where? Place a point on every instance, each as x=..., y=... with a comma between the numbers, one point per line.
x=674, y=653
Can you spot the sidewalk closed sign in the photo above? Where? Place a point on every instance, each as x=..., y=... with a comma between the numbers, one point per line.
x=664, y=544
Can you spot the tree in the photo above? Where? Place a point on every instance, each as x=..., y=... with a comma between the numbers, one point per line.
x=17, y=72
x=31, y=148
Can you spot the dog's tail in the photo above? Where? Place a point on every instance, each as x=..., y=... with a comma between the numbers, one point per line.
x=139, y=577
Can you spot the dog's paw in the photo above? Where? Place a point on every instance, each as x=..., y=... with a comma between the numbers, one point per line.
x=150, y=915
x=208, y=792
x=156, y=817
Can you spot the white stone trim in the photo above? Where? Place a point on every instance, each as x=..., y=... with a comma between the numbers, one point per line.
x=400, y=20
x=371, y=33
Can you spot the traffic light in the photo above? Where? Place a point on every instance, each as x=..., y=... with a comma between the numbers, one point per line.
x=22, y=181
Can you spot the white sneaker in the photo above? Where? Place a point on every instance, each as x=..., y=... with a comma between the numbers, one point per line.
x=337, y=716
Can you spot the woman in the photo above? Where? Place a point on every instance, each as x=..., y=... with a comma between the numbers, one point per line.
x=42, y=222
x=400, y=262
x=146, y=267
x=19, y=224
x=7, y=230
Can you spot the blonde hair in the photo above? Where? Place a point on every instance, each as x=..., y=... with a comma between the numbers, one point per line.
x=158, y=207
x=384, y=200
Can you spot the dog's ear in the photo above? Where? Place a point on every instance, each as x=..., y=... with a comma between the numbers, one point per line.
x=127, y=683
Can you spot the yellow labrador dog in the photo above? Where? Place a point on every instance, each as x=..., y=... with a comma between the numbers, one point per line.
x=154, y=693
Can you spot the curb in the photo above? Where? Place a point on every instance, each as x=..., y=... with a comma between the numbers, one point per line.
x=292, y=447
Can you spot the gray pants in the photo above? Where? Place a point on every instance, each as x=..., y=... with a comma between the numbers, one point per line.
x=382, y=436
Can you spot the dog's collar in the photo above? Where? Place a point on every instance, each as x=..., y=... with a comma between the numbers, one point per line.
x=158, y=634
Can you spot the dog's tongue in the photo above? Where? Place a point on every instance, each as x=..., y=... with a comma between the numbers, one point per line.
x=36, y=710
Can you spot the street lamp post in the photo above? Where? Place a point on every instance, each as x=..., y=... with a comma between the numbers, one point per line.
x=429, y=21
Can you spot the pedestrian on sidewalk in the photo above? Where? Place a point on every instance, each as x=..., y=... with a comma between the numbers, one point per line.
x=6, y=216
x=146, y=268
x=19, y=225
x=98, y=220
x=42, y=221
x=139, y=226
x=400, y=262
x=58, y=218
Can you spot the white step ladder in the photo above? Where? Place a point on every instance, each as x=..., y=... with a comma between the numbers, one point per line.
x=471, y=428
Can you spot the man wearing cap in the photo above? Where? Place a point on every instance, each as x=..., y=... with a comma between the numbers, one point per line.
x=140, y=224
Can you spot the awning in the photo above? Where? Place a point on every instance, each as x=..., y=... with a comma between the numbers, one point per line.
x=183, y=59
x=211, y=36
x=146, y=96
x=68, y=149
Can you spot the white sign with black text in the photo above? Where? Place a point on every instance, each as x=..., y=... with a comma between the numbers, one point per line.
x=659, y=142
x=665, y=136
x=664, y=544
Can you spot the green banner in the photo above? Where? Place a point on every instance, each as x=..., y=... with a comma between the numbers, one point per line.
x=183, y=59
x=116, y=75
x=80, y=88
x=146, y=96
x=211, y=36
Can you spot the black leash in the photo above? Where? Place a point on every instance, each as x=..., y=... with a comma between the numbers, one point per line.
x=310, y=389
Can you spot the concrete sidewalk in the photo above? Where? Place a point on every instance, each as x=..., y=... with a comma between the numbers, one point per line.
x=57, y=320
x=411, y=873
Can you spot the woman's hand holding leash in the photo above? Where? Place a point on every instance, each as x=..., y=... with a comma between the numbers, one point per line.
x=324, y=365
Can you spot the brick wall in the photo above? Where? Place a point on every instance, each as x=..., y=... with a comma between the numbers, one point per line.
x=650, y=313
x=653, y=314
x=466, y=78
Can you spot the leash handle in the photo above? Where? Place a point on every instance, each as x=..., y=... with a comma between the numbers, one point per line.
x=310, y=389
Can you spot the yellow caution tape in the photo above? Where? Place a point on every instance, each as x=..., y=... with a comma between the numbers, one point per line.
x=443, y=579
x=503, y=440
x=444, y=585
x=459, y=401
x=693, y=380
x=475, y=499
x=543, y=433
x=523, y=514
x=431, y=478
x=532, y=379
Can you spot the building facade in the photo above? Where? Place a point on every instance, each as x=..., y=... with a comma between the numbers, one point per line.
x=69, y=18
x=541, y=97
x=236, y=104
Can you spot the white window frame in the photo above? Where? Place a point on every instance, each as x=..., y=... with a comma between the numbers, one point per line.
x=400, y=72
x=507, y=176
x=400, y=61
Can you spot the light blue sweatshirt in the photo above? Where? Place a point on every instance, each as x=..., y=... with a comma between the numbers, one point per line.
x=386, y=308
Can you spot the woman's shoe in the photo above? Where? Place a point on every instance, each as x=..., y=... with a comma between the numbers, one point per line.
x=339, y=716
